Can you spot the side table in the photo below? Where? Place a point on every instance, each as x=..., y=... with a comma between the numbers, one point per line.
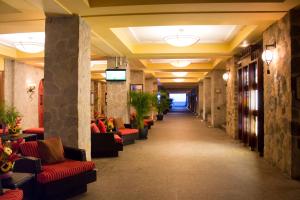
x=23, y=181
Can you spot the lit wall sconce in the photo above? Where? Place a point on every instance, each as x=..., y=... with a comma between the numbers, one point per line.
x=268, y=55
x=31, y=89
x=226, y=76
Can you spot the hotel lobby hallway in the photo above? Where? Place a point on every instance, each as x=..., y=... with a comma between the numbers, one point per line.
x=185, y=160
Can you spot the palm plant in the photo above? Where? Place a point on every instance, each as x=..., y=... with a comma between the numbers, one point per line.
x=142, y=103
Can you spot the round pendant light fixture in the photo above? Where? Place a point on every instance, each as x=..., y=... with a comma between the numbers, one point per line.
x=30, y=47
x=181, y=39
x=179, y=74
x=178, y=80
x=180, y=63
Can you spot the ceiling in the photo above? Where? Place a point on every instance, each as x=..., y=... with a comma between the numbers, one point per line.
x=137, y=29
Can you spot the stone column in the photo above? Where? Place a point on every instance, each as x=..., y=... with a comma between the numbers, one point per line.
x=200, y=99
x=232, y=99
x=117, y=92
x=206, y=97
x=68, y=81
x=218, y=98
x=137, y=77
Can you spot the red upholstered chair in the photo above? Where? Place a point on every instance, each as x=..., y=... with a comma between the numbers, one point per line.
x=60, y=180
x=105, y=144
x=128, y=134
x=12, y=195
x=38, y=131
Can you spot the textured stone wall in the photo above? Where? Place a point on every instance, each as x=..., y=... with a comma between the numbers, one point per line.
x=232, y=99
x=295, y=63
x=68, y=81
x=137, y=77
x=103, y=98
x=278, y=98
x=206, y=97
x=218, y=98
x=150, y=85
x=17, y=77
x=117, y=95
x=200, y=99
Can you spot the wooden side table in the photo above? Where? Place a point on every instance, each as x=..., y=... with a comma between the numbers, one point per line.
x=23, y=181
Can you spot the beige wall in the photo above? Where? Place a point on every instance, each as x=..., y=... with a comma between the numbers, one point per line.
x=17, y=77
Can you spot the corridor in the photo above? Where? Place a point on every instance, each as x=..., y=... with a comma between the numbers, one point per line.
x=185, y=160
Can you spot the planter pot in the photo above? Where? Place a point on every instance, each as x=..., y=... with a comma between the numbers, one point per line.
x=143, y=133
x=160, y=117
x=165, y=112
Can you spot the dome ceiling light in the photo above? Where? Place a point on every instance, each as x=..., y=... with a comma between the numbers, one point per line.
x=180, y=63
x=178, y=80
x=179, y=74
x=181, y=40
x=30, y=47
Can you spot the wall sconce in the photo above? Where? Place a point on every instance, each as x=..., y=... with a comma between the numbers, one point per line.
x=268, y=55
x=31, y=89
x=226, y=76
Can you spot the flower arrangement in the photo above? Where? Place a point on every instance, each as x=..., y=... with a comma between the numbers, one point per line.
x=10, y=118
x=109, y=123
x=8, y=155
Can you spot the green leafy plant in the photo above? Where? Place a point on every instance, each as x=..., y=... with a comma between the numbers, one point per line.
x=10, y=117
x=162, y=102
x=142, y=103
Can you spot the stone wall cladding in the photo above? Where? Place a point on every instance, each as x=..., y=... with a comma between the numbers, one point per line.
x=218, y=98
x=67, y=81
x=117, y=95
x=232, y=99
x=206, y=97
x=278, y=98
x=137, y=77
x=200, y=99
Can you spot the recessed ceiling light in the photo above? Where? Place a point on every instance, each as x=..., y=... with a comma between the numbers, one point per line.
x=179, y=74
x=181, y=40
x=180, y=63
x=178, y=80
x=98, y=62
x=245, y=44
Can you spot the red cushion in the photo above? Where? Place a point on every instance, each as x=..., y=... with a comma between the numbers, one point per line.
x=62, y=170
x=34, y=131
x=30, y=149
x=12, y=195
x=1, y=130
x=94, y=128
x=101, y=126
x=118, y=139
x=128, y=131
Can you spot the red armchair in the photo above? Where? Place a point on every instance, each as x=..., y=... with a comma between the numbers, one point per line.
x=10, y=194
x=105, y=144
x=60, y=180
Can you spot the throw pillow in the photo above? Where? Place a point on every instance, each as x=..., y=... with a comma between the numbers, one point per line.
x=51, y=150
x=119, y=123
x=94, y=128
x=101, y=126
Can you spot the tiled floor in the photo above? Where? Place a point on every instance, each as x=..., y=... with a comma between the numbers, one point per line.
x=185, y=160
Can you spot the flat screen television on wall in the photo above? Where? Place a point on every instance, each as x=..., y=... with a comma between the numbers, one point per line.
x=116, y=74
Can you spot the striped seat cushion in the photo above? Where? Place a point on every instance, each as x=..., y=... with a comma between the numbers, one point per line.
x=30, y=149
x=12, y=195
x=118, y=139
x=39, y=131
x=62, y=170
x=128, y=131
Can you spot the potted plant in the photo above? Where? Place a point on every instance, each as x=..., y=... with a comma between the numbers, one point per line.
x=142, y=104
x=161, y=104
x=12, y=119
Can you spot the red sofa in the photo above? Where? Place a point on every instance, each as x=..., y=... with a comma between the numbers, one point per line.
x=38, y=131
x=128, y=134
x=105, y=144
x=60, y=180
x=12, y=195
